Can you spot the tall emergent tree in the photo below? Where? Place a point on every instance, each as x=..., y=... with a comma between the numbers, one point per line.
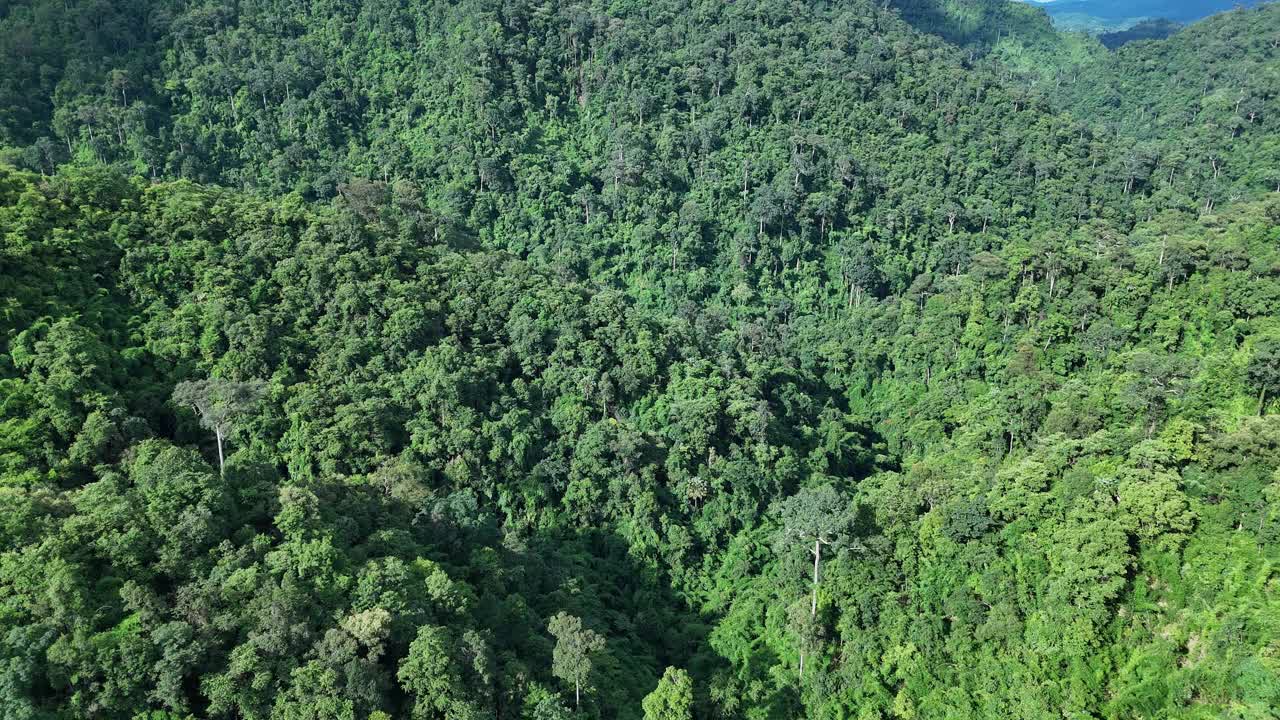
x=571, y=660
x=815, y=516
x=220, y=404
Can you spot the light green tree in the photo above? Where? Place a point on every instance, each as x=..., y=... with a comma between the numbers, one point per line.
x=571, y=660
x=672, y=699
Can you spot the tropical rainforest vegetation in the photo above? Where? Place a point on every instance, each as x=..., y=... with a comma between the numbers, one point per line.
x=672, y=359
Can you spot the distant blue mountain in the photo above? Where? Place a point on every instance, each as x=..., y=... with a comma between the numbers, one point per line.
x=1119, y=10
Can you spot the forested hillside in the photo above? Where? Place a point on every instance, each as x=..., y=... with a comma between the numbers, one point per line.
x=1210, y=94
x=665, y=360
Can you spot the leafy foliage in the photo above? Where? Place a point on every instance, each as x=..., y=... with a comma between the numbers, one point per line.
x=546, y=335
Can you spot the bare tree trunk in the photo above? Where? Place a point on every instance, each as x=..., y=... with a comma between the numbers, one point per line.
x=817, y=555
x=813, y=605
x=221, y=462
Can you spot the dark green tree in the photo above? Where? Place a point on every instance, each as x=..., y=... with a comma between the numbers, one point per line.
x=1263, y=370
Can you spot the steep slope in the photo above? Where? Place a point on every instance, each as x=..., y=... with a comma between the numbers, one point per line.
x=509, y=357
x=1019, y=35
x=755, y=135
x=1191, y=116
x=1200, y=110
x=1052, y=487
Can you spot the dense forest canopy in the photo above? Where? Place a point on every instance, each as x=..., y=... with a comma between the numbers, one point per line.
x=665, y=360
